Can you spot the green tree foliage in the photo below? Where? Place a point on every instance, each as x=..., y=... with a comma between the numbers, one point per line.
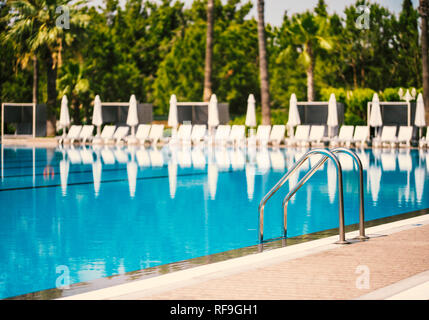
x=235, y=71
x=155, y=48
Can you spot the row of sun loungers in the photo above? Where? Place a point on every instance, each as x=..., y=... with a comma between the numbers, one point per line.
x=113, y=135
x=305, y=135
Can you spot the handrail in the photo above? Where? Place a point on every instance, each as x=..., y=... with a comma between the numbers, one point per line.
x=282, y=181
x=356, y=159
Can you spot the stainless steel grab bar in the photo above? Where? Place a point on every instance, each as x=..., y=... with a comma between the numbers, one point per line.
x=309, y=174
x=283, y=180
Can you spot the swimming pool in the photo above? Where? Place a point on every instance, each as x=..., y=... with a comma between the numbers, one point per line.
x=70, y=216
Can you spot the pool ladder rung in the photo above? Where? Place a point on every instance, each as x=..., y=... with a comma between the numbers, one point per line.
x=327, y=154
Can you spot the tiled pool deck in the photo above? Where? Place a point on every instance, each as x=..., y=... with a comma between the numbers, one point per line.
x=394, y=263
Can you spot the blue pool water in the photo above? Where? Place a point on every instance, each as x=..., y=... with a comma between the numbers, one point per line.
x=98, y=213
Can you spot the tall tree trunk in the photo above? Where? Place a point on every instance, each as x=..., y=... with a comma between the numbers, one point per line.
x=51, y=72
x=35, y=79
x=423, y=10
x=310, y=75
x=209, y=52
x=263, y=66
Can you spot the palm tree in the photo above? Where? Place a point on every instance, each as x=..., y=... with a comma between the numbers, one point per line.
x=309, y=34
x=423, y=10
x=209, y=52
x=263, y=66
x=34, y=23
x=72, y=83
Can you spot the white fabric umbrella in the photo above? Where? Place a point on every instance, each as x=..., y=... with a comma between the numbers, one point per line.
x=172, y=112
x=132, y=118
x=250, y=114
x=332, y=113
x=375, y=115
x=173, y=121
x=97, y=117
x=420, y=112
x=213, y=113
x=294, y=118
x=64, y=114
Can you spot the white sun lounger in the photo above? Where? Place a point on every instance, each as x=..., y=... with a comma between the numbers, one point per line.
x=142, y=133
x=360, y=136
x=263, y=135
x=237, y=135
x=405, y=135
x=222, y=134
x=316, y=135
x=345, y=137
x=120, y=134
x=301, y=136
x=277, y=134
x=184, y=134
x=107, y=133
x=156, y=133
x=424, y=141
x=198, y=133
x=72, y=135
x=86, y=133
x=388, y=136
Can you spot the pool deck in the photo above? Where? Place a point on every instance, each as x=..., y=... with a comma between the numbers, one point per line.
x=393, y=264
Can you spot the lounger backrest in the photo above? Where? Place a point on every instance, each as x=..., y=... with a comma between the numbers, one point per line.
x=184, y=132
x=302, y=132
x=389, y=133
x=74, y=131
x=156, y=132
x=237, y=132
x=143, y=131
x=121, y=132
x=361, y=133
x=405, y=133
x=222, y=132
x=263, y=132
x=317, y=132
x=86, y=131
x=278, y=132
x=198, y=132
x=346, y=132
x=108, y=132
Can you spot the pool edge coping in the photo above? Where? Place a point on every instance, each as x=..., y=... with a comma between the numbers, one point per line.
x=195, y=274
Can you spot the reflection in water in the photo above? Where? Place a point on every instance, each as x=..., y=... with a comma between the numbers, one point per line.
x=411, y=167
x=90, y=195
x=250, y=179
x=64, y=173
x=374, y=173
x=212, y=175
x=332, y=181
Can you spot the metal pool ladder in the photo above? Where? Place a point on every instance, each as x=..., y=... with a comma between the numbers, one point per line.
x=327, y=154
